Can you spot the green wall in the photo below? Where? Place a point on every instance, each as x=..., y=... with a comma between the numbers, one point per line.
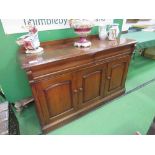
x=12, y=78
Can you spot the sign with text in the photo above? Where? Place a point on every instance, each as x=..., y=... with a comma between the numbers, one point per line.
x=12, y=26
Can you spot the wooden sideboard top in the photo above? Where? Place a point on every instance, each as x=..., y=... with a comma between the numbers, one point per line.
x=64, y=49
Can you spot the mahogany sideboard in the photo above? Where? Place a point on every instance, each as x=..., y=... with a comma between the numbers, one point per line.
x=67, y=81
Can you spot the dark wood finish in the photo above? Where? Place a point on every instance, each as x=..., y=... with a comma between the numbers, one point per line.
x=117, y=72
x=91, y=83
x=68, y=82
x=57, y=96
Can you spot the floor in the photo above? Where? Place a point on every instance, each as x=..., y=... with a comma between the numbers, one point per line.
x=125, y=115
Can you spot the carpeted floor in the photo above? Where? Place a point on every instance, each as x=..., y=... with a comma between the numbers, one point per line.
x=141, y=70
x=124, y=115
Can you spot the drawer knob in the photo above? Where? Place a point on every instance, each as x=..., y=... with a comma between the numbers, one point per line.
x=109, y=78
x=75, y=91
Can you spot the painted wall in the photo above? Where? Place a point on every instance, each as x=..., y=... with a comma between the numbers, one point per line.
x=12, y=78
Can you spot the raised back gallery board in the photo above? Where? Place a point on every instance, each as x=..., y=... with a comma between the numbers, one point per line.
x=12, y=26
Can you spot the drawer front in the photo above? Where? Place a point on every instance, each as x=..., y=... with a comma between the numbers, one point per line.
x=61, y=67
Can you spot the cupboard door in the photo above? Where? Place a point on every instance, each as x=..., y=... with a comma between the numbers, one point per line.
x=57, y=97
x=91, y=83
x=116, y=76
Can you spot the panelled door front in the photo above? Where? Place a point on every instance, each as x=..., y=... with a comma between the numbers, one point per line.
x=91, y=84
x=57, y=97
x=116, y=76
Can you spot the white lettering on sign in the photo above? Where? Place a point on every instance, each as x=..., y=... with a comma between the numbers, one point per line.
x=17, y=26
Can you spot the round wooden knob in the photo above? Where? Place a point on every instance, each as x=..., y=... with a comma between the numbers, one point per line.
x=75, y=91
x=109, y=78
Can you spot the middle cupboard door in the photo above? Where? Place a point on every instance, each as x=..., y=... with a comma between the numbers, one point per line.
x=91, y=84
